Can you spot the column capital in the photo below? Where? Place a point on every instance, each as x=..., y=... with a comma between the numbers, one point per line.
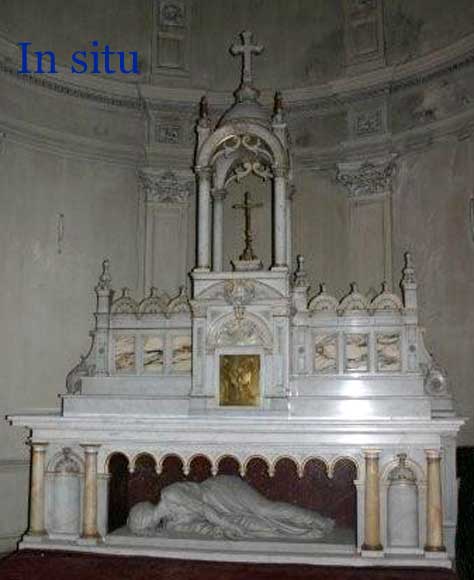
x=39, y=446
x=203, y=172
x=371, y=453
x=280, y=171
x=433, y=454
x=90, y=447
x=219, y=194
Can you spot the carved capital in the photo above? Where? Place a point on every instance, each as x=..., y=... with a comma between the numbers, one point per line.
x=219, y=194
x=280, y=171
x=166, y=186
x=203, y=172
x=365, y=178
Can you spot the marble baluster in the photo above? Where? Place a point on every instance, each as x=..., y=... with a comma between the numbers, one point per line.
x=372, y=502
x=37, y=500
x=280, y=203
x=218, y=198
x=434, y=504
x=204, y=174
x=89, y=519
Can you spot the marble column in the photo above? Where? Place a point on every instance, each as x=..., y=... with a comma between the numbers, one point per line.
x=279, y=227
x=289, y=217
x=218, y=197
x=89, y=504
x=38, y=459
x=204, y=174
x=434, y=504
x=372, y=502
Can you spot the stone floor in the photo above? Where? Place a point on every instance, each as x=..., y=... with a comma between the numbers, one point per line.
x=37, y=565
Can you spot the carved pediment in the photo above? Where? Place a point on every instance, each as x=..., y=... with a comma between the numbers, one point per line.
x=323, y=302
x=353, y=303
x=386, y=301
x=125, y=304
x=234, y=331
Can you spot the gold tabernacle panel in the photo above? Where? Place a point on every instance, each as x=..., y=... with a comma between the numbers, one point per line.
x=239, y=380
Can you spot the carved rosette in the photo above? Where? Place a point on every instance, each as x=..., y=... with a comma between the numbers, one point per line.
x=166, y=186
x=368, y=177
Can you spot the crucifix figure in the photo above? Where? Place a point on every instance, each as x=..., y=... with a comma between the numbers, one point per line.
x=246, y=49
x=248, y=253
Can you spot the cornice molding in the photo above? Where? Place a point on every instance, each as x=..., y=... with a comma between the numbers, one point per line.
x=64, y=144
x=138, y=96
x=460, y=127
x=13, y=465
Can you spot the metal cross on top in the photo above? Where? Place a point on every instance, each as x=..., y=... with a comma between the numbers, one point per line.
x=248, y=253
x=246, y=49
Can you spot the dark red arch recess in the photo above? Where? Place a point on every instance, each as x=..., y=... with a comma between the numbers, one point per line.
x=334, y=497
x=200, y=468
x=118, y=491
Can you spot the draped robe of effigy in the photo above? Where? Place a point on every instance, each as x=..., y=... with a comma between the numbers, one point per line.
x=225, y=506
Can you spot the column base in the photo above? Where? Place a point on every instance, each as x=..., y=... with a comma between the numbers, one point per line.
x=35, y=535
x=370, y=548
x=91, y=540
x=435, y=552
x=372, y=552
x=435, y=549
x=202, y=269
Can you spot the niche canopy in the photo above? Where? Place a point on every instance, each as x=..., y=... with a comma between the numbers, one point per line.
x=247, y=140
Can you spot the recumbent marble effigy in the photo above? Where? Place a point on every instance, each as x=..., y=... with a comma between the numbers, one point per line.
x=251, y=366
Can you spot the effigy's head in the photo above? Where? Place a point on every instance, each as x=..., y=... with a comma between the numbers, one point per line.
x=160, y=514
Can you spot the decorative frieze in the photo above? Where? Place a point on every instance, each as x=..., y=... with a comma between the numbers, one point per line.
x=166, y=186
x=365, y=178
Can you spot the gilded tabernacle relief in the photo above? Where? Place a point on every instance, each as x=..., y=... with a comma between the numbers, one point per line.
x=239, y=380
x=225, y=507
x=325, y=353
x=181, y=362
x=125, y=354
x=357, y=353
x=388, y=353
x=153, y=354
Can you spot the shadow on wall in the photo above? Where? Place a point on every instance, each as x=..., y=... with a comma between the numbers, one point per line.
x=465, y=530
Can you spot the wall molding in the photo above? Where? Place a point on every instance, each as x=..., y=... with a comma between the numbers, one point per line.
x=342, y=90
x=9, y=465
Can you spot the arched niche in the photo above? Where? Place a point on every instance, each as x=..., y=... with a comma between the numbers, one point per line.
x=403, y=502
x=64, y=493
x=232, y=152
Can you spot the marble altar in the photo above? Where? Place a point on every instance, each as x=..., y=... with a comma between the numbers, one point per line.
x=251, y=365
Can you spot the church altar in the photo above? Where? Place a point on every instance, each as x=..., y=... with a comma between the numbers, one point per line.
x=252, y=367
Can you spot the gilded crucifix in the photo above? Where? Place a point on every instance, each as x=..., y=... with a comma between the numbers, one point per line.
x=248, y=254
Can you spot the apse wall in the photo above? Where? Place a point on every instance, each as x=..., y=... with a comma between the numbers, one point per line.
x=65, y=205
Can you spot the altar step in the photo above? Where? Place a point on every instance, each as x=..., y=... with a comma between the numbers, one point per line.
x=60, y=565
x=335, y=407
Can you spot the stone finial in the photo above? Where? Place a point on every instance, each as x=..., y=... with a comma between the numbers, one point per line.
x=300, y=278
x=409, y=270
x=105, y=278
